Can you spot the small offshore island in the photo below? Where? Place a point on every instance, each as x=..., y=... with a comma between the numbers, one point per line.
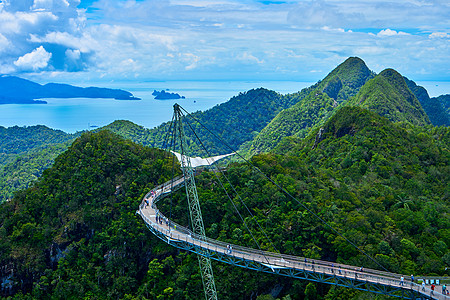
x=166, y=96
x=16, y=90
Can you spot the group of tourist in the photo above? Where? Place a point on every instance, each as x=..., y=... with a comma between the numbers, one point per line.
x=445, y=291
x=161, y=220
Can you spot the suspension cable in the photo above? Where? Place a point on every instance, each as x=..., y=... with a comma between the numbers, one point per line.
x=173, y=142
x=234, y=190
x=285, y=191
x=229, y=197
x=164, y=145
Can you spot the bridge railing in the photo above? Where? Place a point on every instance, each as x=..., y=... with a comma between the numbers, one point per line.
x=272, y=259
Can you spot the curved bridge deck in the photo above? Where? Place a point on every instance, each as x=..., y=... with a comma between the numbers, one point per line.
x=291, y=266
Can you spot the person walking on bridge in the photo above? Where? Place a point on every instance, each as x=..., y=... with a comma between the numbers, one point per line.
x=402, y=280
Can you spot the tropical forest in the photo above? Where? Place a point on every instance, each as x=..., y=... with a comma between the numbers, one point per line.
x=354, y=169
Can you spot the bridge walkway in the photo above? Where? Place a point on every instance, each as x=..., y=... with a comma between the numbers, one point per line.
x=292, y=266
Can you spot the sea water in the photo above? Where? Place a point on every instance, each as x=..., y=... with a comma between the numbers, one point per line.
x=76, y=114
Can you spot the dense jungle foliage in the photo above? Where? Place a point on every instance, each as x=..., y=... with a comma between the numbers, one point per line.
x=389, y=96
x=315, y=105
x=383, y=185
x=27, y=168
x=432, y=107
x=75, y=232
x=17, y=140
x=445, y=102
x=25, y=152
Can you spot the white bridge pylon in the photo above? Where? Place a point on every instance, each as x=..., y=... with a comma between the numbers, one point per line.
x=374, y=281
x=199, y=162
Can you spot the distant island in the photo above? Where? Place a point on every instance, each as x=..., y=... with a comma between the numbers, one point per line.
x=163, y=95
x=16, y=90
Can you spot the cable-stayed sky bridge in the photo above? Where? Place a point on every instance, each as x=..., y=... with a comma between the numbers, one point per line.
x=291, y=266
x=355, y=277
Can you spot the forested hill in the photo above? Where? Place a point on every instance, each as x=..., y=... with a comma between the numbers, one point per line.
x=75, y=232
x=388, y=95
x=25, y=152
x=338, y=86
x=433, y=108
x=383, y=185
x=444, y=100
x=17, y=140
x=235, y=121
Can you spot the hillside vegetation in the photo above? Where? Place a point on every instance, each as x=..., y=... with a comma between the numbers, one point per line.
x=388, y=95
x=444, y=100
x=20, y=173
x=235, y=121
x=25, y=152
x=74, y=234
x=17, y=140
x=315, y=106
x=432, y=107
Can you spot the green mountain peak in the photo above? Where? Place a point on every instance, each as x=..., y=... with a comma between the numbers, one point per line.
x=346, y=79
x=338, y=86
x=388, y=95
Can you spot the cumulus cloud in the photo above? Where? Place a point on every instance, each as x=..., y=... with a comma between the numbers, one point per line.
x=390, y=32
x=439, y=35
x=35, y=60
x=170, y=38
x=57, y=25
x=50, y=5
x=73, y=54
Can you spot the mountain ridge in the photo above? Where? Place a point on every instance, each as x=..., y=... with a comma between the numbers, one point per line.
x=340, y=84
x=388, y=95
x=433, y=108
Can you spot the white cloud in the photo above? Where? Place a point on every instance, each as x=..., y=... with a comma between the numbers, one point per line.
x=35, y=60
x=50, y=23
x=50, y=4
x=390, y=32
x=192, y=60
x=179, y=38
x=73, y=54
x=322, y=13
x=247, y=57
x=83, y=43
x=439, y=35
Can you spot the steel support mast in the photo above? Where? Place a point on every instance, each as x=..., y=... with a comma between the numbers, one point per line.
x=194, y=208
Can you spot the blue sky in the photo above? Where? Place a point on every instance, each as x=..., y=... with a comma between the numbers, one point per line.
x=113, y=40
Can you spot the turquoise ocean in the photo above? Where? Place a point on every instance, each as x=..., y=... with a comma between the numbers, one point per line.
x=77, y=114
